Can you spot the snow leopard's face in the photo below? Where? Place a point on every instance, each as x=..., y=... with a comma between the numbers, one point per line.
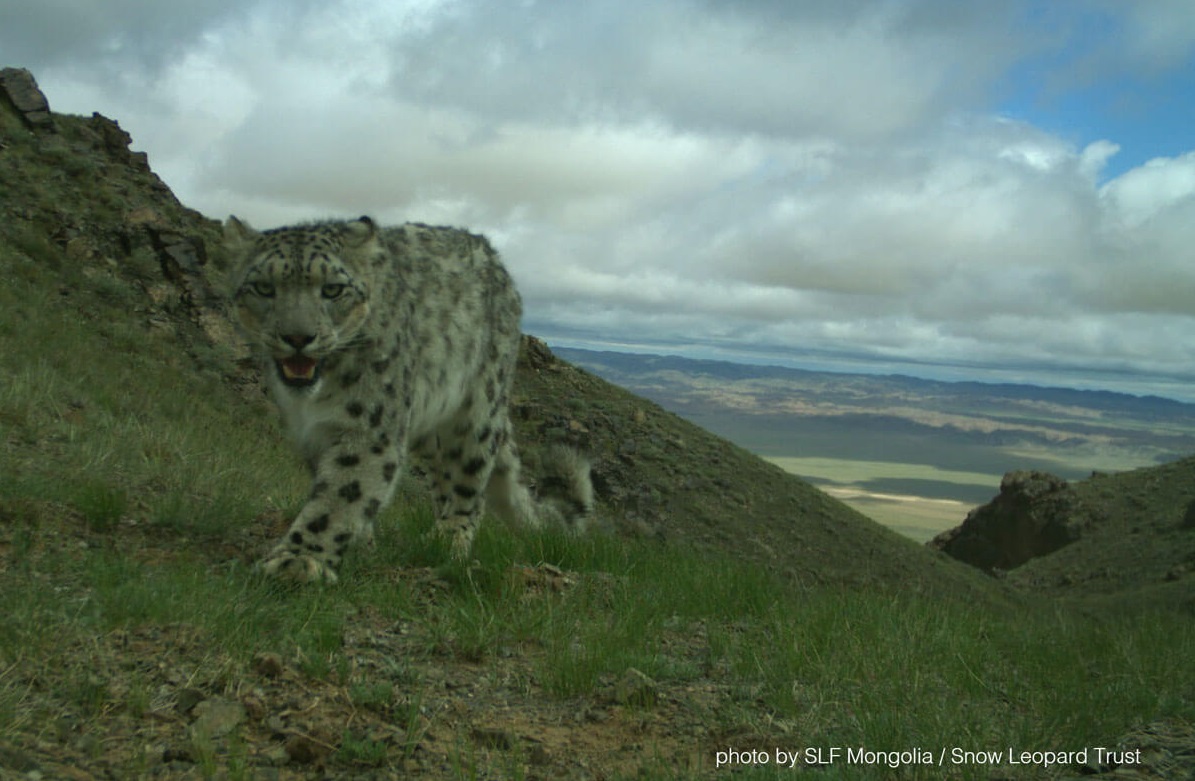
x=302, y=293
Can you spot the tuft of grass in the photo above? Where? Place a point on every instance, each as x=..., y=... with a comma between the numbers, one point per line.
x=209, y=515
x=361, y=750
x=101, y=505
x=411, y=719
x=377, y=696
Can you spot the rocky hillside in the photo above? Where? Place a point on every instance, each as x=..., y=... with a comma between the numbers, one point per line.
x=1126, y=539
x=71, y=187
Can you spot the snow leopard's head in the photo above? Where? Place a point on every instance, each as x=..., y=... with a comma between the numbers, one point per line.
x=301, y=292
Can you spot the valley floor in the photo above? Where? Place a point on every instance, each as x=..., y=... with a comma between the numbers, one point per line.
x=920, y=517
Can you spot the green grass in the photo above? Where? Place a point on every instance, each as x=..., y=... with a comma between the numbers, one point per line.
x=361, y=750
x=818, y=667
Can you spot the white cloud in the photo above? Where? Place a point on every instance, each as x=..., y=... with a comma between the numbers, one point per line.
x=1095, y=156
x=1151, y=191
x=782, y=69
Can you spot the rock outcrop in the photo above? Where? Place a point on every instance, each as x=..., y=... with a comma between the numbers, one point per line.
x=18, y=87
x=1035, y=514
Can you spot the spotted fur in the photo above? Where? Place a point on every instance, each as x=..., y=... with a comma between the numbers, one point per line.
x=379, y=344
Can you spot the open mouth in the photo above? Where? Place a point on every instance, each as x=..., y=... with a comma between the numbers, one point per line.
x=298, y=371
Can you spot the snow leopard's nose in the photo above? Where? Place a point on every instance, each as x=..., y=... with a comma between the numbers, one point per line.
x=298, y=341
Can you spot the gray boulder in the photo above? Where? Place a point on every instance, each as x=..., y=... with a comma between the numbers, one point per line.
x=18, y=87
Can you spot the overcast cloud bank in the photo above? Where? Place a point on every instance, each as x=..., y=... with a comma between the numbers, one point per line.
x=768, y=175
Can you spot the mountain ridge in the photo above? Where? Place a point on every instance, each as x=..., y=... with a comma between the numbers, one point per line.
x=981, y=427
x=744, y=370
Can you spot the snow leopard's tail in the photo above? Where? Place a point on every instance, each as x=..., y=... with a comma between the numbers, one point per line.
x=564, y=490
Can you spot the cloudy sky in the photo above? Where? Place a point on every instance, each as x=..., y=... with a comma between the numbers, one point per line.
x=992, y=190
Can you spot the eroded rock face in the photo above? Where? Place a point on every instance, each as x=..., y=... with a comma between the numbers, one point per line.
x=1035, y=514
x=20, y=89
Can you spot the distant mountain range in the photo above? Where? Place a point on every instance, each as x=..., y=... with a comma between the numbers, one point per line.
x=960, y=436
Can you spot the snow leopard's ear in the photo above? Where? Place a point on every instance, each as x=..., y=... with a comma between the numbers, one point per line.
x=359, y=232
x=238, y=235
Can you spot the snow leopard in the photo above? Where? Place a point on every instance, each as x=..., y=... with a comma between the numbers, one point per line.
x=380, y=344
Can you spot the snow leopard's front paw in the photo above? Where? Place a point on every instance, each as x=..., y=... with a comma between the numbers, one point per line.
x=459, y=531
x=299, y=567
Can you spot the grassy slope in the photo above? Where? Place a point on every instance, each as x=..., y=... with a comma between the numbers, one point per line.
x=668, y=479
x=137, y=485
x=1139, y=548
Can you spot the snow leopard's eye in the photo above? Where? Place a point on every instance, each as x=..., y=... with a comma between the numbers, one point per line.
x=263, y=289
x=332, y=291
